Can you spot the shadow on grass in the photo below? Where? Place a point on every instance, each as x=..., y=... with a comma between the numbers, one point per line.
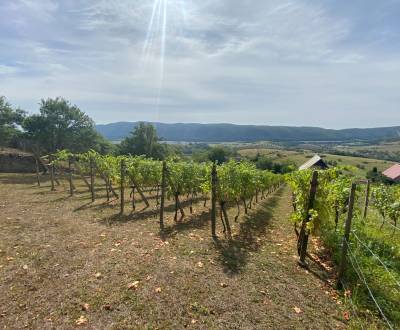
x=234, y=254
x=143, y=212
x=195, y=222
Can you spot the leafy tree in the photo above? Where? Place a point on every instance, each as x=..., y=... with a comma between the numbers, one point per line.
x=61, y=125
x=265, y=163
x=10, y=119
x=375, y=176
x=200, y=156
x=143, y=140
x=219, y=154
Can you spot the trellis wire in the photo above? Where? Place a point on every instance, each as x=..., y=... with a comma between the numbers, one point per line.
x=361, y=276
x=377, y=257
x=388, y=223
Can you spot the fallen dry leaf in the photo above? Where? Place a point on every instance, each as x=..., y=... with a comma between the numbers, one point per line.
x=107, y=307
x=346, y=316
x=85, y=307
x=81, y=321
x=133, y=285
x=297, y=310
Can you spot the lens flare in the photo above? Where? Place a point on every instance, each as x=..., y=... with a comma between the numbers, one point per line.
x=155, y=45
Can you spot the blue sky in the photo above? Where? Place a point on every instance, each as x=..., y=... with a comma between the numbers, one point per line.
x=329, y=63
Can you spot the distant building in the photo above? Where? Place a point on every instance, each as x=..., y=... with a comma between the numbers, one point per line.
x=393, y=173
x=314, y=162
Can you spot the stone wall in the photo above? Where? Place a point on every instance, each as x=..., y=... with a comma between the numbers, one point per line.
x=13, y=161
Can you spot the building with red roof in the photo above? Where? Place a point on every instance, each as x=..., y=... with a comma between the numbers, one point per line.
x=393, y=173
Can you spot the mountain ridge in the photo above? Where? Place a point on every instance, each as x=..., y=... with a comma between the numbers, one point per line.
x=194, y=132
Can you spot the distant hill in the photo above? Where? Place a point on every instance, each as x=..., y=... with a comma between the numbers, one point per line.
x=249, y=133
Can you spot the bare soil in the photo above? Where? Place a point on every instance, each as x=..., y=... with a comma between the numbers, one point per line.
x=66, y=262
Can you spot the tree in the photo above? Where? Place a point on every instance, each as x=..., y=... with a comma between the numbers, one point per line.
x=375, y=176
x=61, y=125
x=218, y=154
x=143, y=140
x=10, y=119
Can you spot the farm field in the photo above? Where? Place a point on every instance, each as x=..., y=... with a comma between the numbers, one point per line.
x=382, y=150
x=66, y=261
x=299, y=157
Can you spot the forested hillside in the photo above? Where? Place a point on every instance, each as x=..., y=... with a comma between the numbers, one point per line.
x=249, y=133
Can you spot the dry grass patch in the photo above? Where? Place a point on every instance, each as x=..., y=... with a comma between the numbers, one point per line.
x=66, y=262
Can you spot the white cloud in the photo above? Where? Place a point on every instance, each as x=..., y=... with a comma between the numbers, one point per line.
x=5, y=69
x=246, y=61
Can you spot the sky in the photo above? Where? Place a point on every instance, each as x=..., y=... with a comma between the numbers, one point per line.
x=327, y=63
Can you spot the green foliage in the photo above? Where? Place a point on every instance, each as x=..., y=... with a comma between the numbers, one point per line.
x=61, y=125
x=186, y=177
x=381, y=267
x=242, y=180
x=265, y=163
x=375, y=176
x=143, y=141
x=236, y=180
x=331, y=199
x=10, y=119
x=386, y=200
x=142, y=171
x=219, y=154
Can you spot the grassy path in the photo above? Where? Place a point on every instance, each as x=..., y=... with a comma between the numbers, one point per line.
x=61, y=262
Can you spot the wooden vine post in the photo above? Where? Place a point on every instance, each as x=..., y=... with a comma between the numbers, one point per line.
x=162, y=201
x=52, y=173
x=214, y=200
x=346, y=236
x=37, y=171
x=367, y=196
x=92, y=179
x=303, y=237
x=71, y=185
x=122, y=186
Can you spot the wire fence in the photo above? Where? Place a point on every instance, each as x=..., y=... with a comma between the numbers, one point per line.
x=361, y=276
x=392, y=225
x=377, y=258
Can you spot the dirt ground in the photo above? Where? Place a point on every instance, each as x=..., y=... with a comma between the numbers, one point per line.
x=66, y=262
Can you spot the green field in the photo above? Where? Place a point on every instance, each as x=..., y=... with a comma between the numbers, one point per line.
x=299, y=157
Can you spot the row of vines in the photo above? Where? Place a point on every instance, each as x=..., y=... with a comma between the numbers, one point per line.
x=358, y=222
x=232, y=184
